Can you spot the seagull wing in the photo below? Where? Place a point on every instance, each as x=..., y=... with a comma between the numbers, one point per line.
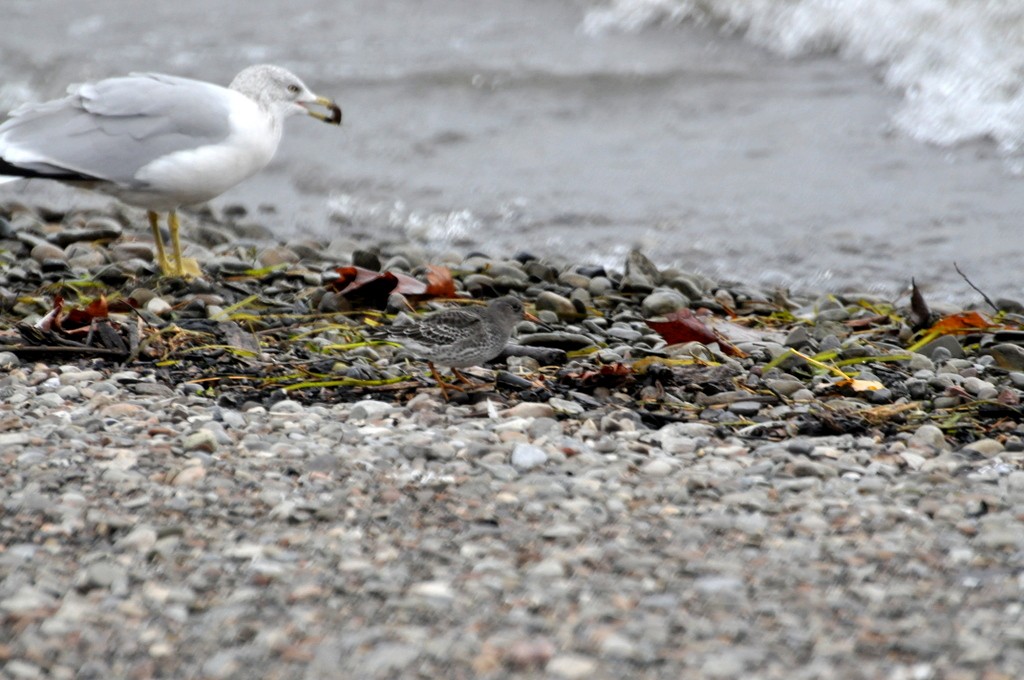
x=110, y=129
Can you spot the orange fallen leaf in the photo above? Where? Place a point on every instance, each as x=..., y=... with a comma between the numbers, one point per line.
x=440, y=282
x=963, y=322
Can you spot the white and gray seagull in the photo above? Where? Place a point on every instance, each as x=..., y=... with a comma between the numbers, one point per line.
x=157, y=141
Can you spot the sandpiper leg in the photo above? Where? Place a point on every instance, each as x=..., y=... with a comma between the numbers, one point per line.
x=161, y=254
x=461, y=376
x=441, y=383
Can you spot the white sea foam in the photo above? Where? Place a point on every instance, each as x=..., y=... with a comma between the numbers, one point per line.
x=959, y=64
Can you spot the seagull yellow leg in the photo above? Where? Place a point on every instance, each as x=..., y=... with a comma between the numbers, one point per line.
x=161, y=255
x=188, y=266
x=173, y=226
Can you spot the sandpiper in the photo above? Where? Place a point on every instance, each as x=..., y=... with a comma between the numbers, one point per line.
x=459, y=338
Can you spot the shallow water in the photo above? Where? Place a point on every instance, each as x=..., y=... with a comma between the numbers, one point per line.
x=569, y=128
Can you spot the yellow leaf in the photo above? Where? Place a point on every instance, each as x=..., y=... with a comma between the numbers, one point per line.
x=861, y=385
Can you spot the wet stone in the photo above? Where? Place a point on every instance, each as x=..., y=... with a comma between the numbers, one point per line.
x=562, y=307
x=45, y=252
x=943, y=348
x=664, y=301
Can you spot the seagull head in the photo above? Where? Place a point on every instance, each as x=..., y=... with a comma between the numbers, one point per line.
x=281, y=90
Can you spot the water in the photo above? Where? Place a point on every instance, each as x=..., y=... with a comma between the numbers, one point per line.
x=829, y=145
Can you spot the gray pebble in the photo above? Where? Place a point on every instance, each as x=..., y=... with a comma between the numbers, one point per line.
x=527, y=456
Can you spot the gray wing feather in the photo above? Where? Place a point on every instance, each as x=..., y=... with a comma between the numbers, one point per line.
x=110, y=129
x=441, y=328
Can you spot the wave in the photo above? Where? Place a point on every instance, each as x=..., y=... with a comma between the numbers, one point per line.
x=958, y=64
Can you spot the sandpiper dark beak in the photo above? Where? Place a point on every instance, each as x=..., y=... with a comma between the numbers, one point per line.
x=530, y=317
x=333, y=114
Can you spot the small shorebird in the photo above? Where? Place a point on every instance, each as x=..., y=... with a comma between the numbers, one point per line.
x=158, y=142
x=459, y=338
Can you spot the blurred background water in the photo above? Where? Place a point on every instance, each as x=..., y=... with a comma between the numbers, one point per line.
x=815, y=144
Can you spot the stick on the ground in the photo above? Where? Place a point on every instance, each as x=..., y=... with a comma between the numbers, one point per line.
x=978, y=290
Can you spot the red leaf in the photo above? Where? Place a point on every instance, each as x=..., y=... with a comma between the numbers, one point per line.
x=364, y=287
x=684, y=326
x=407, y=285
x=352, y=277
x=615, y=369
x=78, y=317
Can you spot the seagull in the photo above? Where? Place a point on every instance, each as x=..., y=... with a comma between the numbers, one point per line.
x=157, y=141
x=459, y=338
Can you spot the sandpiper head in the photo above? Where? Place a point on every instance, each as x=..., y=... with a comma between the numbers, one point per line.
x=509, y=311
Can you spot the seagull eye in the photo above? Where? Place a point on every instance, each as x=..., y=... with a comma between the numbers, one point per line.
x=294, y=89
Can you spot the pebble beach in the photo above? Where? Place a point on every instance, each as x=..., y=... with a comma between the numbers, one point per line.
x=254, y=489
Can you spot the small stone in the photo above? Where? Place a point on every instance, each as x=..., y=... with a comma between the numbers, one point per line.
x=50, y=400
x=658, y=467
x=287, y=406
x=26, y=599
x=948, y=343
x=929, y=436
x=976, y=385
x=8, y=440
x=104, y=574
x=797, y=338
x=809, y=468
x=529, y=409
x=141, y=539
x=200, y=440
x=528, y=456
x=786, y=387
x=618, y=647
x=530, y=654
x=919, y=362
x=223, y=664
x=571, y=408
x=1008, y=356
x=641, y=274
x=43, y=252
x=986, y=448
x=159, y=306
x=369, y=409
x=999, y=533
x=189, y=476
x=722, y=666
x=152, y=389
x=571, y=666
x=553, y=302
x=18, y=669
x=663, y=301
x=548, y=569
x=278, y=255
x=122, y=252
x=438, y=591
x=745, y=408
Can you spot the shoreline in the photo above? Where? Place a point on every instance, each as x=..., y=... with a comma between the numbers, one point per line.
x=218, y=509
